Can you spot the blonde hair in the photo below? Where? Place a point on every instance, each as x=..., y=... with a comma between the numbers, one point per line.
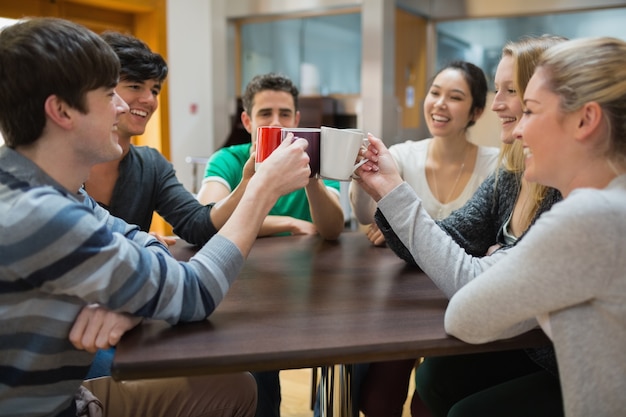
x=592, y=70
x=526, y=54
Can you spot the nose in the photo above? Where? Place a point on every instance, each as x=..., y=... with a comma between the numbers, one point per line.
x=498, y=103
x=275, y=120
x=120, y=104
x=519, y=129
x=441, y=101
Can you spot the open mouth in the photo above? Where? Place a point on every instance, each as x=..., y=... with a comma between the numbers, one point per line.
x=140, y=113
x=527, y=152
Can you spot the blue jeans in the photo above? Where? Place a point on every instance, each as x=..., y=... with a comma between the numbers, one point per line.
x=101, y=365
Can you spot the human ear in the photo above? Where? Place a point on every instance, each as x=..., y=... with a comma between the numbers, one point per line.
x=58, y=111
x=477, y=114
x=589, y=120
x=247, y=123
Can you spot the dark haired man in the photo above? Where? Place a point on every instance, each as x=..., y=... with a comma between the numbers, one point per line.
x=60, y=251
x=272, y=100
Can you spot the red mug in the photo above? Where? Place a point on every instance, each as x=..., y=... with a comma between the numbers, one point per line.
x=268, y=138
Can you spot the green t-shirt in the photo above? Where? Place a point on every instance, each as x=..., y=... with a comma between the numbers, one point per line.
x=226, y=167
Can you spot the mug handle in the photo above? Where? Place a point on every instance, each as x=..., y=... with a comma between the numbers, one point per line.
x=356, y=166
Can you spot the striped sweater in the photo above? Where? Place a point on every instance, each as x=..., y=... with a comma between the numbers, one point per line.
x=59, y=251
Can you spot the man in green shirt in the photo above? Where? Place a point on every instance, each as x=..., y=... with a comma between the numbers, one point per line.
x=272, y=100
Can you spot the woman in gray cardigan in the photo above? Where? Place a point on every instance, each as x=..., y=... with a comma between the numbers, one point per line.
x=497, y=215
x=567, y=274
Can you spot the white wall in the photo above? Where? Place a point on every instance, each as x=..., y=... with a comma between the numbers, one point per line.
x=189, y=80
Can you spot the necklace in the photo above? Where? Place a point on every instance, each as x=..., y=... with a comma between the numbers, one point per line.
x=436, y=187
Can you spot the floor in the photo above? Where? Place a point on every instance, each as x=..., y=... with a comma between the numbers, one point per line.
x=296, y=394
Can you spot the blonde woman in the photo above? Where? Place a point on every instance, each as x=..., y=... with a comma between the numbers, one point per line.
x=569, y=273
x=498, y=215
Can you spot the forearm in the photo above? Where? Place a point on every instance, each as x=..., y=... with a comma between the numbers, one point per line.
x=244, y=225
x=275, y=225
x=191, y=220
x=443, y=260
x=326, y=210
x=223, y=209
x=363, y=206
x=391, y=238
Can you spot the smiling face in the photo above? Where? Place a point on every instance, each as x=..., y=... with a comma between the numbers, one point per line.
x=544, y=131
x=506, y=103
x=97, y=130
x=270, y=108
x=143, y=100
x=447, y=104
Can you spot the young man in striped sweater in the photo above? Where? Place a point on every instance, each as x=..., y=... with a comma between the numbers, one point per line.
x=60, y=251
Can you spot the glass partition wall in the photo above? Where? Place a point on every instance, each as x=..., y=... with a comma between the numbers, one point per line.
x=324, y=52
x=480, y=40
x=321, y=54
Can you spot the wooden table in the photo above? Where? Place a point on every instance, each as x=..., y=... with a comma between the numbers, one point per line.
x=303, y=302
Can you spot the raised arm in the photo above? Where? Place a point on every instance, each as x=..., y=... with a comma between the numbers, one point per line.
x=225, y=201
x=475, y=226
x=326, y=210
x=445, y=262
x=363, y=206
x=190, y=219
x=127, y=270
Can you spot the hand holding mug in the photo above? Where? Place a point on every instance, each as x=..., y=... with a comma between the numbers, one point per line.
x=339, y=152
x=249, y=168
x=380, y=174
x=268, y=138
x=312, y=136
x=286, y=169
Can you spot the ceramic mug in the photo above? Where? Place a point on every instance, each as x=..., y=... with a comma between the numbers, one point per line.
x=339, y=149
x=312, y=135
x=268, y=138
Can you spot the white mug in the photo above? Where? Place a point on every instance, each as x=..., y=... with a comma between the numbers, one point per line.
x=339, y=149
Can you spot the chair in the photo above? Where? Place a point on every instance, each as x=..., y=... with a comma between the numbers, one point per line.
x=196, y=161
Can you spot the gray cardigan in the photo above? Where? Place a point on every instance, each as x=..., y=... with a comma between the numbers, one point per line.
x=478, y=225
x=568, y=273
